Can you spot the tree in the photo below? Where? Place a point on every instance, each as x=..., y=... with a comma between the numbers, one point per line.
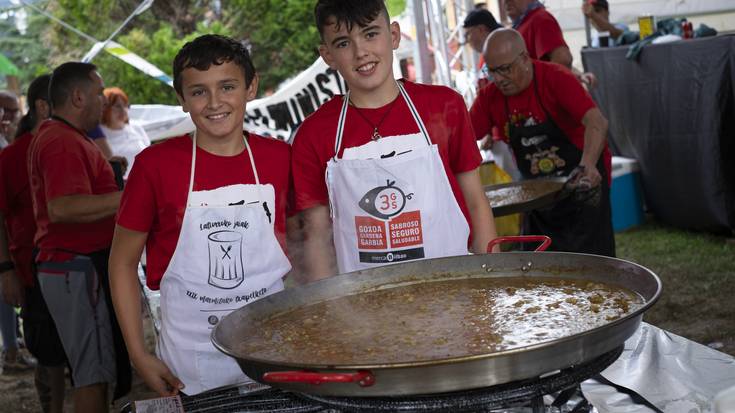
x=280, y=33
x=24, y=49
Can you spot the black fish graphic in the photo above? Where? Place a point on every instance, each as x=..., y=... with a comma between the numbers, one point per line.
x=394, y=200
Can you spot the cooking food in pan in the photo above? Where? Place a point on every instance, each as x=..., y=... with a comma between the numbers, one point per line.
x=436, y=320
x=524, y=195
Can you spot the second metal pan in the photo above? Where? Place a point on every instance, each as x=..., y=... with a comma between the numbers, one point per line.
x=524, y=196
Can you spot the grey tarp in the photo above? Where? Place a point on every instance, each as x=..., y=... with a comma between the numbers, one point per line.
x=674, y=111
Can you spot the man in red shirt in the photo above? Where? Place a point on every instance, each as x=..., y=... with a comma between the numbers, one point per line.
x=542, y=35
x=401, y=164
x=18, y=285
x=554, y=129
x=75, y=198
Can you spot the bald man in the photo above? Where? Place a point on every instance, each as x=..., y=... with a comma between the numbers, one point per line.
x=554, y=129
x=542, y=35
x=11, y=115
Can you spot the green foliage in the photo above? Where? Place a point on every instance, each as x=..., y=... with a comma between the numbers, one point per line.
x=24, y=50
x=281, y=35
x=395, y=7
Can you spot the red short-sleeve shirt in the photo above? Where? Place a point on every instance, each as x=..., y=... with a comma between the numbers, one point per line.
x=442, y=110
x=562, y=95
x=541, y=32
x=155, y=194
x=17, y=206
x=62, y=162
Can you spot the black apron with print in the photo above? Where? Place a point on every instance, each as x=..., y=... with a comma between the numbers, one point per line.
x=543, y=150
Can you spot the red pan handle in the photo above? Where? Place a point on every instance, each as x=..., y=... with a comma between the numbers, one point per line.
x=364, y=378
x=543, y=239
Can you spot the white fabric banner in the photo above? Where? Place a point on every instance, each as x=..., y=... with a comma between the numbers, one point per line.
x=277, y=115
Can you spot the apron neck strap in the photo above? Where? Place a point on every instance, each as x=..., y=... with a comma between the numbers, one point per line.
x=343, y=118
x=194, y=161
x=414, y=113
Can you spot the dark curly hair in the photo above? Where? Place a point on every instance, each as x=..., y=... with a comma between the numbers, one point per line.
x=212, y=49
x=348, y=12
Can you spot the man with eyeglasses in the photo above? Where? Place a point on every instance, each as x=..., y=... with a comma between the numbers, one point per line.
x=478, y=25
x=9, y=117
x=555, y=130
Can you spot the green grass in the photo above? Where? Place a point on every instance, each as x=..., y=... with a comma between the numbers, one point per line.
x=697, y=271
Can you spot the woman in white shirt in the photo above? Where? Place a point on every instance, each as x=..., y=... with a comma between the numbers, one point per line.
x=125, y=140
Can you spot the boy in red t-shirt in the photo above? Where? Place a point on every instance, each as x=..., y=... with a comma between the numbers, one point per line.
x=210, y=209
x=400, y=161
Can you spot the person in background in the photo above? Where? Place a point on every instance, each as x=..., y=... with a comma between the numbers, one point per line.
x=75, y=199
x=124, y=138
x=543, y=36
x=396, y=155
x=19, y=284
x=478, y=25
x=555, y=130
x=210, y=209
x=9, y=117
x=598, y=11
x=13, y=359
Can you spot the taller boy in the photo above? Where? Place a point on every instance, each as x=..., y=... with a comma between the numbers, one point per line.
x=400, y=160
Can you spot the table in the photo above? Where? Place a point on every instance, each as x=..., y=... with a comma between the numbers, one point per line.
x=673, y=110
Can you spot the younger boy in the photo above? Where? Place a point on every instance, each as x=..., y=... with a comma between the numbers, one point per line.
x=210, y=209
x=400, y=159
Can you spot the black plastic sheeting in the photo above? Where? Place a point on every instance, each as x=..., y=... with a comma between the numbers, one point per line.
x=674, y=111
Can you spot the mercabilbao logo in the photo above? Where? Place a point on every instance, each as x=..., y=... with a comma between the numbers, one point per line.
x=388, y=226
x=384, y=201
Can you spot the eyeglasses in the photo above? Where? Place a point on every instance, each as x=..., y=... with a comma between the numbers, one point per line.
x=504, y=70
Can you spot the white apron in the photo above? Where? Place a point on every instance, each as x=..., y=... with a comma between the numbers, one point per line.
x=391, y=201
x=227, y=256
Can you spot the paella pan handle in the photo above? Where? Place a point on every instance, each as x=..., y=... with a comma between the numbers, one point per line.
x=364, y=378
x=543, y=239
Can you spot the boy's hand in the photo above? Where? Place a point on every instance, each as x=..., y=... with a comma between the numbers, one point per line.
x=157, y=376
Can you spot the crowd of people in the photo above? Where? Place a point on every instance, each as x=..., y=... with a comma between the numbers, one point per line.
x=387, y=173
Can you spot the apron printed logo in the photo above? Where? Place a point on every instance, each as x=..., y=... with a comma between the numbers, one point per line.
x=384, y=201
x=533, y=141
x=545, y=161
x=388, y=226
x=225, y=259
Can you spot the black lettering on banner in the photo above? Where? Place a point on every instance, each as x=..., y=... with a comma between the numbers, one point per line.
x=321, y=79
x=311, y=89
x=387, y=257
x=305, y=103
x=338, y=78
x=279, y=112
x=296, y=116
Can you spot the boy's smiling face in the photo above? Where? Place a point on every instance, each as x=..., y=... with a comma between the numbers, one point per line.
x=363, y=55
x=216, y=99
